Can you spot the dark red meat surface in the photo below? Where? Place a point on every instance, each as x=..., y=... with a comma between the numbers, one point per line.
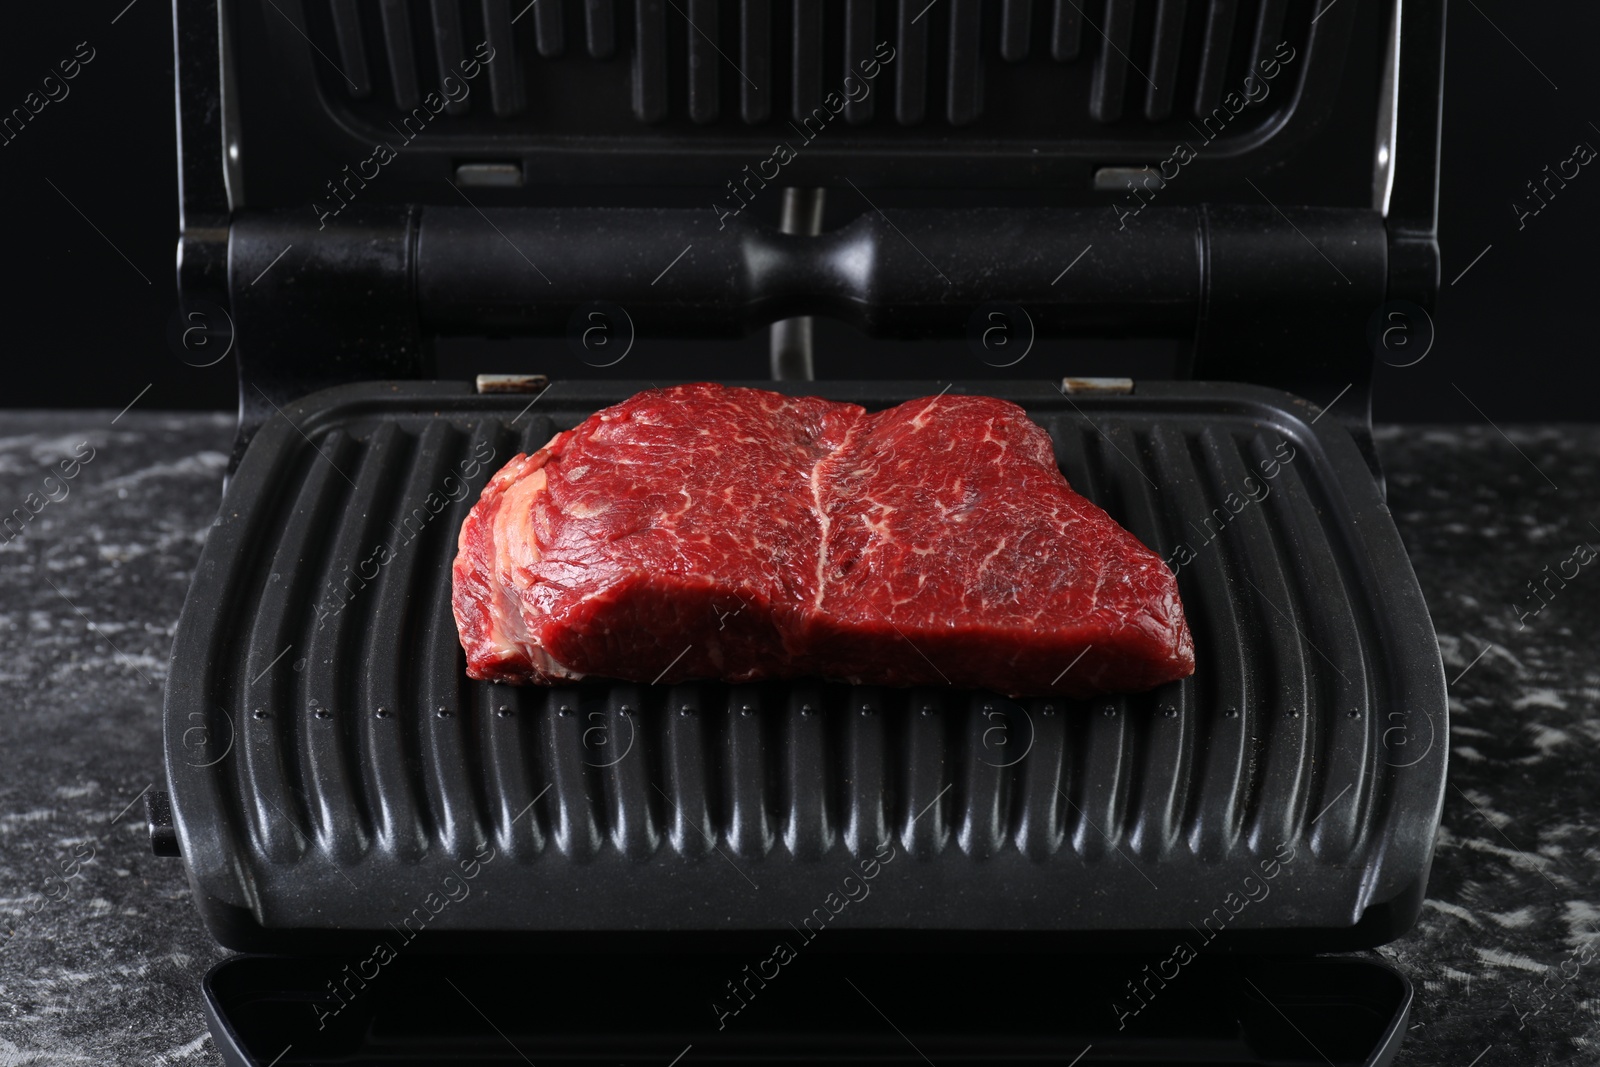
x=737, y=534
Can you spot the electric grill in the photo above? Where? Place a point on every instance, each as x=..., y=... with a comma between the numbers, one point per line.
x=636, y=850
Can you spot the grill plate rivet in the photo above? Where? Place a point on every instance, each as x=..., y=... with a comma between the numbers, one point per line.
x=564, y=711
x=444, y=712
x=504, y=711
x=323, y=713
x=383, y=713
x=261, y=713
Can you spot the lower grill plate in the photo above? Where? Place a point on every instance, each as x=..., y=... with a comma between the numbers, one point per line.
x=332, y=769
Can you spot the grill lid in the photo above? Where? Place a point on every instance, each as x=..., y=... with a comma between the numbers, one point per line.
x=292, y=214
x=957, y=94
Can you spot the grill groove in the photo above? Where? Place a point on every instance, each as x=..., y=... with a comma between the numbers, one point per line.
x=347, y=33
x=1111, y=69
x=600, y=27
x=1278, y=621
x=338, y=824
x=577, y=809
x=1221, y=676
x=549, y=29
x=1039, y=830
x=985, y=820
x=650, y=60
x=270, y=788
x=925, y=797
x=448, y=48
x=859, y=20
x=704, y=74
x=1162, y=764
x=966, y=63
x=911, y=64
x=1269, y=30
x=866, y=783
x=396, y=19
x=807, y=58
x=1066, y=31
x=390, y=743
x=1164, y=56
x=1015, y=19
x=450, y=802
x=1215, y=50
x=1350, y=736
x=505, y=78
x=755, y=60
x=693, y=831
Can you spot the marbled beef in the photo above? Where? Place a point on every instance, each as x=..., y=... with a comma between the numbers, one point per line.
x=712, y=532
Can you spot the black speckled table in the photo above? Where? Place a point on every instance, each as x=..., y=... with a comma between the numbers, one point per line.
x=103, y=953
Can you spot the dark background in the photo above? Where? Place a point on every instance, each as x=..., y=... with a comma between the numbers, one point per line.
x=92, y=227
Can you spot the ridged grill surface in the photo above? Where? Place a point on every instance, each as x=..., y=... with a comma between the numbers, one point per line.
x=753, y=61
x=360, y=755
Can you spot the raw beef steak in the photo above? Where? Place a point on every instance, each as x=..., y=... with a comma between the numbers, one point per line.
x=708, y=532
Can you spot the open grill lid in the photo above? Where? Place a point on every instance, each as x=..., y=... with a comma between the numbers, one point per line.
x=1256, y=179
